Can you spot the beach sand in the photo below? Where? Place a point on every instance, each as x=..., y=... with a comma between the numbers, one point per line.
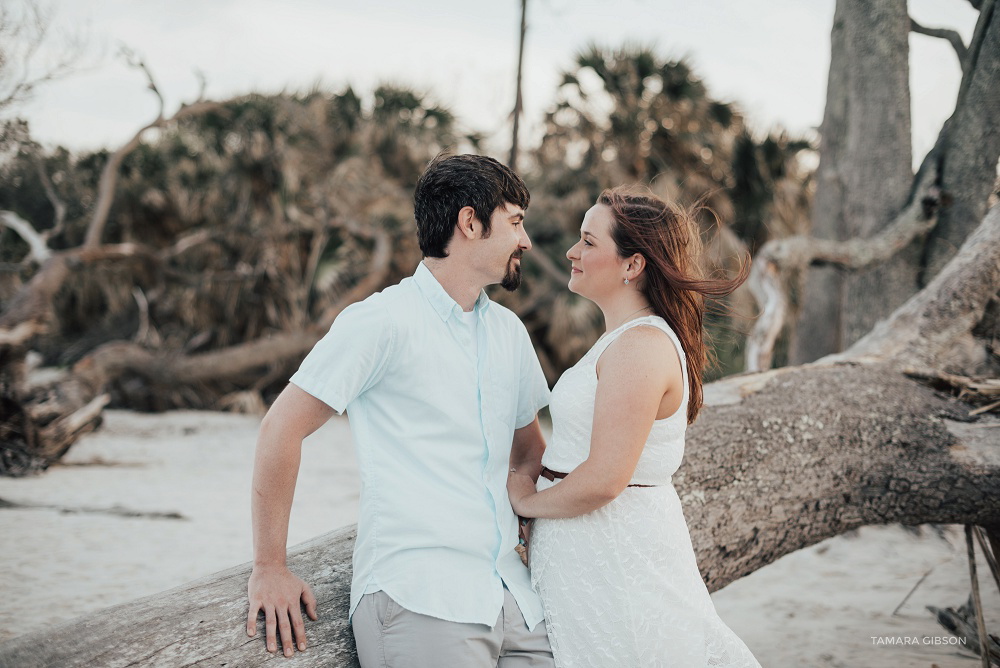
x=150, y=502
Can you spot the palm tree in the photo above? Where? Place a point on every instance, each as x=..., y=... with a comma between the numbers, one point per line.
x=629, y=116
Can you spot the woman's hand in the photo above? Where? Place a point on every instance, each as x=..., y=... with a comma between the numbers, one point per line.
x=519, y=487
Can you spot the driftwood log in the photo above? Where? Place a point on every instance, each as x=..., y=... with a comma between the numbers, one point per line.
x=809, y=453
x=778, y=461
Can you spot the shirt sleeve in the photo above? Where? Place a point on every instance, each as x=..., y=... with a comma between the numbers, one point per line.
x=351, y=357
x=533, y=393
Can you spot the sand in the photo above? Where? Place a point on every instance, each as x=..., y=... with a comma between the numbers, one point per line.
x=150, y=502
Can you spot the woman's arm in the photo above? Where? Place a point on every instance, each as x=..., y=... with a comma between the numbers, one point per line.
x=633, y=375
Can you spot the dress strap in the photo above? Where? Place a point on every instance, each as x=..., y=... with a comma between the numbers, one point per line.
x=651, y=320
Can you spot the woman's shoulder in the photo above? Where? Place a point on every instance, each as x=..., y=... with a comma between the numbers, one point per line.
x=641, y=344
x=649, y=327
x=645, y=335
x=639, y=340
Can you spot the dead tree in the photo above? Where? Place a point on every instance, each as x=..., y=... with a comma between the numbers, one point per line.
x=865, y=185
x=40, y=421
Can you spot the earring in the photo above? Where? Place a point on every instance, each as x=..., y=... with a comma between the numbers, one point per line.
x=626, y=281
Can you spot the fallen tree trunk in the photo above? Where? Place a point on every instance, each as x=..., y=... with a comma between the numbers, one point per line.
x=42, y=422
x=779, y=461
x=198, y=624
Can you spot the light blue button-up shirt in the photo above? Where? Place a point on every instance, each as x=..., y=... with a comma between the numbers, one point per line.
x=432, y=423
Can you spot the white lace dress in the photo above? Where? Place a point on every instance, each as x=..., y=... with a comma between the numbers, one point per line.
x=620, y=585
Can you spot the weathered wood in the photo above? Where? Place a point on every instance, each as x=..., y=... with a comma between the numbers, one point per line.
x=791, y=255
x=962, y=624
x=971, y=147
x=933, y=328
x=818, y=330
x=777, y=461
x=865, y=157
x=55, y=410
x=202, y=623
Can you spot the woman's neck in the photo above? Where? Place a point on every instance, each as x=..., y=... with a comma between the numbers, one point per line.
x=619, y=311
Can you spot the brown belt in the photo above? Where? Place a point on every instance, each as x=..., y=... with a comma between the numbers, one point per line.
x=549, y=474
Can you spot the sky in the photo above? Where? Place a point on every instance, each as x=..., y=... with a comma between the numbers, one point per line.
x=769, y=57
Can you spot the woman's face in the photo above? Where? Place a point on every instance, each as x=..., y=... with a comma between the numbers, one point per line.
x=597, y=269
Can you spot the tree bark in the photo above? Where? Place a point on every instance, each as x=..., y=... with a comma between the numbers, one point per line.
x=935, y=328
x=517, y=101
x=817, y=329
x=962, y=164
x=877, y=169
x=968, y=167
x=780, y=460
x=864, y=177
x=779, y=258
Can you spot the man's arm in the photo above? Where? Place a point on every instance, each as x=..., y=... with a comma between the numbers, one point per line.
x=272, y=587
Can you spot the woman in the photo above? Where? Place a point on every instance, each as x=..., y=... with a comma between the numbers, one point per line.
x=610, y=552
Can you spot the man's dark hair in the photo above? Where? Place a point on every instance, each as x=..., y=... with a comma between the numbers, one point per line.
x=451, y=182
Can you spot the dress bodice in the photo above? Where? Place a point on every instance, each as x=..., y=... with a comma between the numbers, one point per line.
x=572, y=407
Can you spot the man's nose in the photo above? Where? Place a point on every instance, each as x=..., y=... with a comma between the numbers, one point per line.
x=526, y=241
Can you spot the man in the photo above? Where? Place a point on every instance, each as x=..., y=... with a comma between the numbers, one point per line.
x=442, y=388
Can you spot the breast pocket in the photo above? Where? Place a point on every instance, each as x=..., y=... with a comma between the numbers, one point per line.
x=501, y=390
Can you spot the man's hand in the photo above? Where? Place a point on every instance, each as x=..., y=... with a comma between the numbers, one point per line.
x=278, y=592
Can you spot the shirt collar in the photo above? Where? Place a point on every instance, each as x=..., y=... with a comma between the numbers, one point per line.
x=439, y=298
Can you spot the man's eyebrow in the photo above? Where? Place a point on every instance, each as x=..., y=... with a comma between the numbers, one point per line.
x=517, y=214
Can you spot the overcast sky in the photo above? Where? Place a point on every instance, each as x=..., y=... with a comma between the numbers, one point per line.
x=770, y=57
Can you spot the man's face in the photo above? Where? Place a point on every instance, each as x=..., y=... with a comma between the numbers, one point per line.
x=506, y=244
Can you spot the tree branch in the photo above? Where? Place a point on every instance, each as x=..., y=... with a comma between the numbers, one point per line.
x=929, y=330
x=57, y=203
x=39, y=250
x=986, y=10
x=378, y=269
x=778, y=258
x=109, y=175
x=944, y=33
x=29, y=313
x=20, y=39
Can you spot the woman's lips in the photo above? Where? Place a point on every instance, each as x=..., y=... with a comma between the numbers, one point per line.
x=574, y=270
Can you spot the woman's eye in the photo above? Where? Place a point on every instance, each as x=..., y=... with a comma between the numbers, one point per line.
x=587, y=243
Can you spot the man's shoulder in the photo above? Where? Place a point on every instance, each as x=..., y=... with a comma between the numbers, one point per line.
x=389, y=298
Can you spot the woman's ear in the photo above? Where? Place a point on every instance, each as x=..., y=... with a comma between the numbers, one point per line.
x=635, y=267
x=467, y=223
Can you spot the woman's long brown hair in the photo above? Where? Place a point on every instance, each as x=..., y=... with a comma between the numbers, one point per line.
x=669, y=240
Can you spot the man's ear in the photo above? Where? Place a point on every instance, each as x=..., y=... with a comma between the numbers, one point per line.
x=467, y=224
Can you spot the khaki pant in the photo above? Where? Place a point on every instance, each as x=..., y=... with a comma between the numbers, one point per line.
x=390, y=636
